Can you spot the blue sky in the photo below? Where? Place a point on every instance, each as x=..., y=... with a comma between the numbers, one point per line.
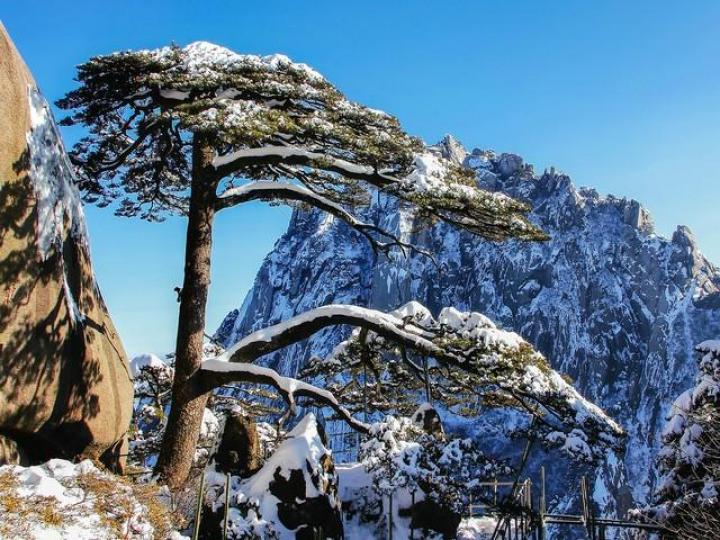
x=623, y=96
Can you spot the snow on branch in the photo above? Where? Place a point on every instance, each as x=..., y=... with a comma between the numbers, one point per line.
x=273, y=191
x=472, y=360
x=302, y=326
x=217, y=372
x=437, y=187
x=291, y=155
x=149, y=111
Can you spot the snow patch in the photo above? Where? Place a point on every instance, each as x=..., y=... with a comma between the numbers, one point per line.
x=58, y=201
x=60, y=500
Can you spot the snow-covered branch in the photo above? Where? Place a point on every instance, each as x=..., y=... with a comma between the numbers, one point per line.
x=473, y=361
x=273, y=191
x=305, y=325
x=217, y=372
x=232, y=162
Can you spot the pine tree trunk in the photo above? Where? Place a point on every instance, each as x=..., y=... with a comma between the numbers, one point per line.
x=188, y=405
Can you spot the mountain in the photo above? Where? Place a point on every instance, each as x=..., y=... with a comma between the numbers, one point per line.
x=607, y=300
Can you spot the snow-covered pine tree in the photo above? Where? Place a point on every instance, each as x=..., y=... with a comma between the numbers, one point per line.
x=688, y=495
x=464, y=364
x=199, y=129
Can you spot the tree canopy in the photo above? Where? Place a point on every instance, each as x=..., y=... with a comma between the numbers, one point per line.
x=687, y=498
x=471, y=361
x=463, y=363
x=199, y=129
x=266, y=119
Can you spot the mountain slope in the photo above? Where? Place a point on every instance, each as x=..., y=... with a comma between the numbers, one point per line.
x=606, y=299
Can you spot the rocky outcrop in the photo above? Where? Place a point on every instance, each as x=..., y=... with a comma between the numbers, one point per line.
x=428, y=516
x=427, y=418
x=240, y=452
x=607, y=300
x=65, y=388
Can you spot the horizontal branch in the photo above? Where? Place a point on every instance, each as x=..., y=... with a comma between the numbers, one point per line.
x=269, y=190
x=228, y=164
x=216, y=372
x=302, y=326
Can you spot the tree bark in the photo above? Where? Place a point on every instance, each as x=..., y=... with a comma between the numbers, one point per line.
x=188, y=404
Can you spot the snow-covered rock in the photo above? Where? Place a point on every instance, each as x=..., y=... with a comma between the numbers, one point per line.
x=148, y=361
x=294, y=492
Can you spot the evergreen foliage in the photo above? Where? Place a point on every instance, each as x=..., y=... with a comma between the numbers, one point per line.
x=688, y=495
x=266, y=118
x=474, y=367
x=198, y=129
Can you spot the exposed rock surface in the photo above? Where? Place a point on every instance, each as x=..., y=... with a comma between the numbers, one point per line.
x=427, y=515
x=429, y=420
x=607, y=300
x=65, y=388
x=240, y=452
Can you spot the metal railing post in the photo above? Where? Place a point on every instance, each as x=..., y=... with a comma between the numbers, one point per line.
x=227, y=505
x=198, y=510
x=391, y=525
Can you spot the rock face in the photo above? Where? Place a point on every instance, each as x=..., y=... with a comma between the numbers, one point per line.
x=426, y=516
x=65, y=388
x=429, y=420
x=239, y=452
x=606, y=299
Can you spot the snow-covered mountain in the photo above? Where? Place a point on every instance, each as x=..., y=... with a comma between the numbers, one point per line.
x=606, y=299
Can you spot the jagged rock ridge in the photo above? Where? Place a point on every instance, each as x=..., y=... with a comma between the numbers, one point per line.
x=606, y=299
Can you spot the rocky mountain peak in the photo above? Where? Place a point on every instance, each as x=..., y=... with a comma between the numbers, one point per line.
x=452, y=149
x=684, y=238
x=607, y=300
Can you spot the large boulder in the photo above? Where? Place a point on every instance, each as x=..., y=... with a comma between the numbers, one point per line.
x=240, y=451
x=65, y=385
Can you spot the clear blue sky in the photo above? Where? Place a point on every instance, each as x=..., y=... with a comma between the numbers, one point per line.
x=623, y=96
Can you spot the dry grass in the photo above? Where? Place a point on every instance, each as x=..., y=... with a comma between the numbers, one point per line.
x=158, y=514
x=50, y=513
x=116, y=501
x=13, y=508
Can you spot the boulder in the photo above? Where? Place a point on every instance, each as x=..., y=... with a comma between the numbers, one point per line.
x=65, y=385
x=427, y=515
x=427, y=418
x=509, y=164
x=240, y=452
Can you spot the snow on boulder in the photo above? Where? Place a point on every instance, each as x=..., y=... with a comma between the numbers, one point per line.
x=64, y=377
x=293, y=495
x=710, y=346
x=61, y=500
x=427, y=418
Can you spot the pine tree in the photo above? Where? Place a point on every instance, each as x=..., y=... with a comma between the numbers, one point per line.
x=465, y=364
x=199, y=129
x=688, y=495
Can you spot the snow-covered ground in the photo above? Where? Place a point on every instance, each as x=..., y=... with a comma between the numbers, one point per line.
x=476, y=528
x=355, y=482
x=60, y=500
